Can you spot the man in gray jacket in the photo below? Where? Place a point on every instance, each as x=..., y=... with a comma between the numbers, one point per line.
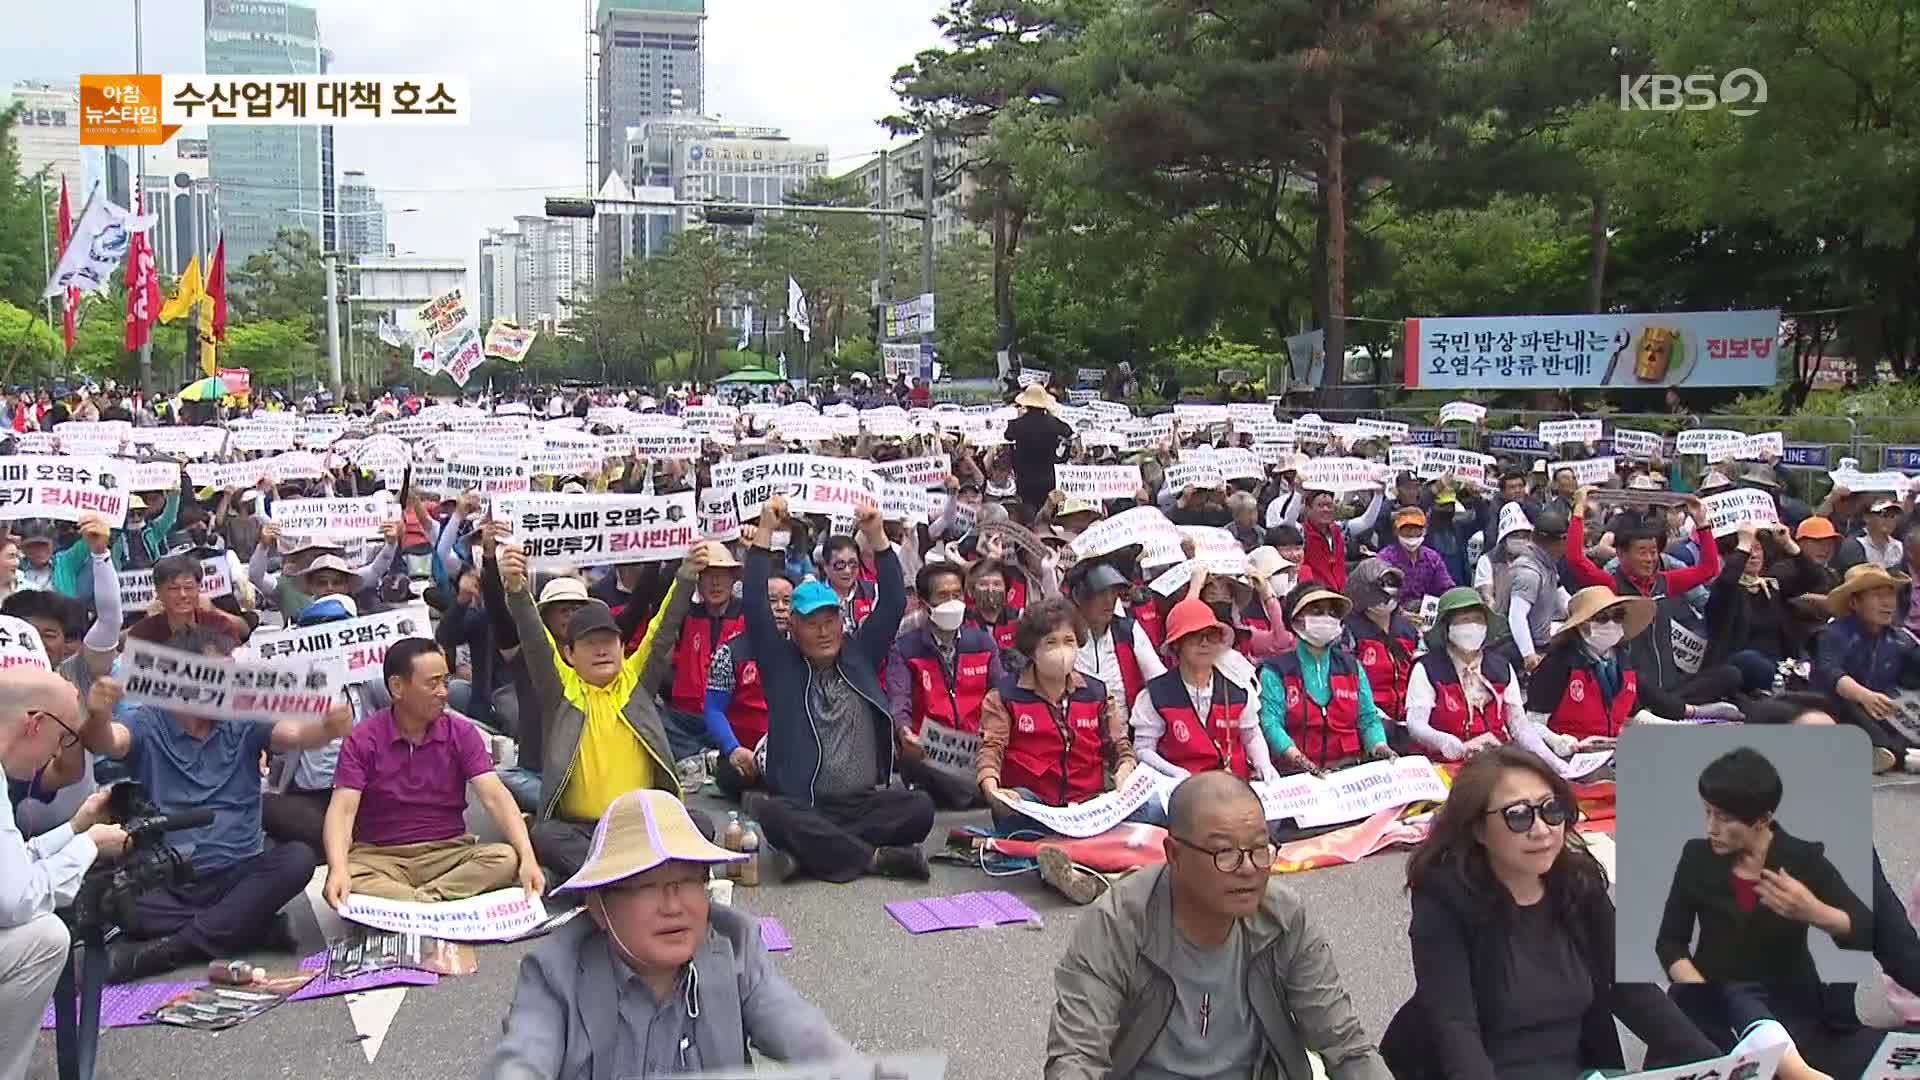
x=655, y=982
x=1204, y=967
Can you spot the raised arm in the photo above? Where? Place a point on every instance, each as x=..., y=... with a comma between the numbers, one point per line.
x=653, y=660
x=536, y=645
x=102, y=642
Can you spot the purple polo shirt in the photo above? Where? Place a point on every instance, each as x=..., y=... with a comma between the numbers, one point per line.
x=410, y=794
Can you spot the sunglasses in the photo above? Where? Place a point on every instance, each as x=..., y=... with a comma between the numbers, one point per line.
x=1617, y=615
x=844, y=564
x=1519, y=817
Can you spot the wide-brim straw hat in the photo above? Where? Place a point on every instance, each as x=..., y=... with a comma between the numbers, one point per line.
x=1596, y=599
x=1858, y=580
x=1035, y=396
x=1315, y=595
x=643, y=829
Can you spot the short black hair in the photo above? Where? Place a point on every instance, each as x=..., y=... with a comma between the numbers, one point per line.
x=1638, y=532
x=1043, y=617
x=175, y=567
x=30, y=604
x=923, y=581
x=1285, y=536
x=835, y=543
x=1513, y=474
x=1741, y=784
x=400, y=657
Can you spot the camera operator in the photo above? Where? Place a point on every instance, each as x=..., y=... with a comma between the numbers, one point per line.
x=195, y=763
x=39, y=718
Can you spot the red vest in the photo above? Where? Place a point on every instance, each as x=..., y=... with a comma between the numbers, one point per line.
x=1016, y=594
x=1329, y=734
x=1059, y=758
x=1131, y=680
x=1253, y=620
x=863, y=598
x=1583, y=715
x=1387, y=659
x=693, y=653
x=1192, y=744
x=1002, y=631
x=1151, y=619
x=1451, y=713
x=957, y=705
x=1326, y=556
x=747, y=711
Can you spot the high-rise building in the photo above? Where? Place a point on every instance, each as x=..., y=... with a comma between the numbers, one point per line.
x=363, y=218
x=269, y=178
x=904, y=191
x=652, y=63
x=656, y=155
x=180, y=193
x=551, y=269
x=502, y=272
x=47, y=134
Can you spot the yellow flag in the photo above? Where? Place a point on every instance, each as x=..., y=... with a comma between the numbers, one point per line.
x=191, y=292
x=207, y=343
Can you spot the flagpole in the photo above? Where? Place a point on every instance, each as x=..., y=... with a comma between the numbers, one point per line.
x=139, y=181
x=46, y=250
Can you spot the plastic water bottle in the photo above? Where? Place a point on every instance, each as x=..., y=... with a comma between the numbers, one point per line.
x=731, y=839
x=748, y=872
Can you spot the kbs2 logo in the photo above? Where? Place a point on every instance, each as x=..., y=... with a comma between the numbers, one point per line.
x=1740, y=91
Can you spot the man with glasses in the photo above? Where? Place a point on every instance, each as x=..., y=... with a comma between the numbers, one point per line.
x=39, y=718
x=656, y=981
x=1204, y=960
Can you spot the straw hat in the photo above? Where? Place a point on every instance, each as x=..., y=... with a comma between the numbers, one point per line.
x=1266, y=561
x=1858, y=580
x=1035, y=396
x=719, y=556
x=1316, y=594
x=1594, y=599
x=641, y=830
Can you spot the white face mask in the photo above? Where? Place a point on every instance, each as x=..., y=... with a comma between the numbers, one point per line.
x=1412, y=543
x=1517, y=545
x=1602, y=637
x=1384, y=607
x=1054, y=662
x=1320, y=631
x=1467, y=637
x=948, y=616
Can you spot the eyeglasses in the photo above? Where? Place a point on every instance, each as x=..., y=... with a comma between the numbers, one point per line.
x=68, y=740
x=1520, y=816
x=1229, y=860
x=655, y=892
x=844, y=564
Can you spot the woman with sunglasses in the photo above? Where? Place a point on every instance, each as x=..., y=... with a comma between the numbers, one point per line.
x=1512, y=939
x=1587, y=687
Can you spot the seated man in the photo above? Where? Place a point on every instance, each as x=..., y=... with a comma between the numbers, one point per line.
x=1864, y=655
x=737, y=700
x=195, y=763
x=415, y=759
x=39, y=717
x=830, y=739
x=940, y=671
x=183, y=610
x=602, y=996
x=713, y=619
x=287, y=586
x=299, y=786
x=1204, y=960
x=602, y=732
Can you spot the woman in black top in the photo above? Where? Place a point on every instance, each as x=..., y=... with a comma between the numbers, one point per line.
x=1039, y=438
x=1749, y=611
x=1513, y=942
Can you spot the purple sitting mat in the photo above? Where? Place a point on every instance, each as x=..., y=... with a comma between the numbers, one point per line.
x=373, y=980
x=974, y=910
x=127, y=1005
x=774, y=936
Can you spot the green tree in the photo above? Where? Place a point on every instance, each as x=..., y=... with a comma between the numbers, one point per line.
x=23, y=232
x=29, y=348
x=286, y=281
x=700, y=272
x=279, y=352
x=834, y=258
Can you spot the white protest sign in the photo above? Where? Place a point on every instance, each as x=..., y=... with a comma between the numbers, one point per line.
x=1751, y=448
x=1462, y=412
x=136, y=586
x=1639, y=445
x=501, y=915
x=197, y=685
x=811, y=483
x=1406, y=459
x=904, y=502
x=20, y=645
x=1236, y=463
x=1704, y=440
x=1141, y=525
x=1391, y=430
x=1192, y=416
x=384, y=452
x=102, y=437
x=719, y=516
x=1096, y=815
x=665, y=442
x=1689, y=649
x=491, y=477
x=59, y=488
x=922, y=472
x=253, y=436
x=1894, y=483
x=1243, y=413
x=1363, y=790
x=1555, y=432
x=321, y=430
x=1339, y=475
x=1727, y=511
x=1513, y=516
x=350, y=650
x=460, y=352
x=1581, y=764
x=950, y=752
x=1034, y=377
x=1098, y=483
x=1898, y=1057
x=151, y=475
x=1750, y=1065
x=1213, y=548
x=192, y=442
x=599, y=530
x=334, y=519
x=1466, y=466
x=441, y=314
x=1188, y=473
x=1588, y=471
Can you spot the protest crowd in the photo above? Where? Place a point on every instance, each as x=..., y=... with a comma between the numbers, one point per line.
x=351, y=635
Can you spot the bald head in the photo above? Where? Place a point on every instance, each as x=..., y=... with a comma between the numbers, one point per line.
x=37, y=710
x=1204, y=794
x=31, y=689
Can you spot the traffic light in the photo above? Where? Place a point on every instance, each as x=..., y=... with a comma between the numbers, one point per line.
x=727, y=214
x=569, y=207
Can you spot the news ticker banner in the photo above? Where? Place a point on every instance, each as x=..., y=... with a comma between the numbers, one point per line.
x=147, y=110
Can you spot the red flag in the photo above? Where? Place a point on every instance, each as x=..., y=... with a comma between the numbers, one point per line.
x=143, y=288
x=217, y=289
x=70, y=301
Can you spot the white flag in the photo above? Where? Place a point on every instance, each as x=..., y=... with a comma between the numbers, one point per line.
x=783, y=365
x=427, y=358
x=391, y=333
x=746, y=329
x=100, y=241
x=797, y=310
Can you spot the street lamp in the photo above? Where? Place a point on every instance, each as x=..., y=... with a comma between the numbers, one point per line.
x=333, y=309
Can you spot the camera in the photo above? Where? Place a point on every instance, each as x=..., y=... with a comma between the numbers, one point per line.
x=106, y=894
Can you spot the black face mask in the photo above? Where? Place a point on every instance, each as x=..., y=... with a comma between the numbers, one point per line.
x=1223, y=610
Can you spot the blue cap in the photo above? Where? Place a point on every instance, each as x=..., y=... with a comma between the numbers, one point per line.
x=327, y=609
x=814, y=596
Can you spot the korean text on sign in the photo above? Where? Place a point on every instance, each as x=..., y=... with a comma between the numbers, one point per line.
x=811, y=484
x=1698, y=348
x=314, y=100
x=352, y=650
x=197, y=685
x=598, y=530
x=51, y=488
x=334, y=519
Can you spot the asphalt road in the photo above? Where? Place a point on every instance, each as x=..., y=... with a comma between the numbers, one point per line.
x=981, y=996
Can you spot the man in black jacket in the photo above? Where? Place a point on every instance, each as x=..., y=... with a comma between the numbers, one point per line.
x=830, y=739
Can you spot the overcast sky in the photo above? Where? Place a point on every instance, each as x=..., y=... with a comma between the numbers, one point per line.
x=819, y=69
